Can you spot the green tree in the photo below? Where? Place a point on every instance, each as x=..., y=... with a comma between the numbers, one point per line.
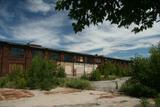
x=141, y=13
x=147, y=70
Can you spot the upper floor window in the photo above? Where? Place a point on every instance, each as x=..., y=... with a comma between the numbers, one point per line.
x=89, y=60
x=37, y=53
x=79, y=59
x=17, y=52
x=68, y=57
x=55, y=56
x=98, y=60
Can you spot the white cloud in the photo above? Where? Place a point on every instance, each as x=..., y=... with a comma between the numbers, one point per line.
x=39, y=6
x=44, y=32
x=112, y=39
x=106, y=37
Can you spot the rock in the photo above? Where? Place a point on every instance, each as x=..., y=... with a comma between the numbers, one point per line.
x=12, y=94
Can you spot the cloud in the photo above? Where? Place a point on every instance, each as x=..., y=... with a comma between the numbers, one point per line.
x=54, y=30
x=44, y=31
x=112, y=39
x=39, y=6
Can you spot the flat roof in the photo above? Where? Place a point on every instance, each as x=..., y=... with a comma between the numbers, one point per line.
x=42, y=48
x=50, y=49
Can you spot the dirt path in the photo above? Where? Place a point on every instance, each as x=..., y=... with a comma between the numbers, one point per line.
x=66, y=97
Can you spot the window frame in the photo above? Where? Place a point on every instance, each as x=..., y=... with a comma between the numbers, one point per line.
x=17, y=52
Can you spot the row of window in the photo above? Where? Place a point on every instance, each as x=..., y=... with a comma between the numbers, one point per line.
x=20, y=53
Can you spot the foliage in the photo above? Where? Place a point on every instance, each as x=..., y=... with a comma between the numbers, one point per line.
x=157, y=101
x=140, y=13
x=16, y=79
x=147, y=70
x=60, y=72
x=78, y=84
x=108, y=71
x=144, y=102
x=42, y=74
x=136, y=89
x=85, y=77
x=95, y=75
x=111, y=68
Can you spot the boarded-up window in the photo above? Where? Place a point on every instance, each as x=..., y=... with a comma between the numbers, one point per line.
x=79, y=59
x=13, y=67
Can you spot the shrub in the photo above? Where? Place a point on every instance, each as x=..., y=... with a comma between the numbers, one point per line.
x=157, y=101
x=78, y=84
x=136, y=89
x=147, y=70
x=85, y=77
x=42, y=74
x=61, y=72
x=144, y=102
x=113, y=69
x=95, y=75
x=16, y=79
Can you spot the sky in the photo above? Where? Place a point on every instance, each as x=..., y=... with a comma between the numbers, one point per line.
x=36, y=21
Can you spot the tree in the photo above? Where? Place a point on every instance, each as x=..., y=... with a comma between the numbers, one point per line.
x=140, y=13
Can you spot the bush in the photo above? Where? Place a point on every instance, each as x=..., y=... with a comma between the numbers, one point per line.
x=95, y=75
x=108, y=71
x=42, y=74
x=16, y=79
x=157, y=101
x=147, y=70
x=136, y=89
x=144, y=102
x=78, y=84
x=85, y=77
x=61, y=72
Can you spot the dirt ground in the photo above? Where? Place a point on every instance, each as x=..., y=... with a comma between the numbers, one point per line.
x=65, y=97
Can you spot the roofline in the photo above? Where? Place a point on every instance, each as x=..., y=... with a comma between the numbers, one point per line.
x=106, y=58
x=50, y=49
x=70, y=52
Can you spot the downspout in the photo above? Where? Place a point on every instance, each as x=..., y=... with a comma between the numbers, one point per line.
x=84, y=65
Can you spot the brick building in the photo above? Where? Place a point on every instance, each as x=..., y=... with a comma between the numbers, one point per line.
x=75, y=64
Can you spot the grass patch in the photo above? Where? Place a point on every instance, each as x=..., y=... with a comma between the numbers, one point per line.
x=78, y=84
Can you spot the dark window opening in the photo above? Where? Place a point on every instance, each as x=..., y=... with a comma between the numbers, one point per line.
x=17, y=52
x=68, y=57
x=89, y=60
x=55, y=56
x=37, y=53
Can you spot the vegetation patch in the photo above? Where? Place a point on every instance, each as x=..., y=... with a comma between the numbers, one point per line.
x=78, y=84
x=136, y=89
x=42, y=74
x=108, y=71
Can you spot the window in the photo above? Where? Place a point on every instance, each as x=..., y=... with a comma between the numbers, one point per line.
x=68, y=57
x=89, y=60
x=79, y=59
x=98, y=60
x=37, y=53
x=17, y=52
x=55, y=56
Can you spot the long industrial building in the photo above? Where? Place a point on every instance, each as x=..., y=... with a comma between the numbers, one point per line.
x=75, y=64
